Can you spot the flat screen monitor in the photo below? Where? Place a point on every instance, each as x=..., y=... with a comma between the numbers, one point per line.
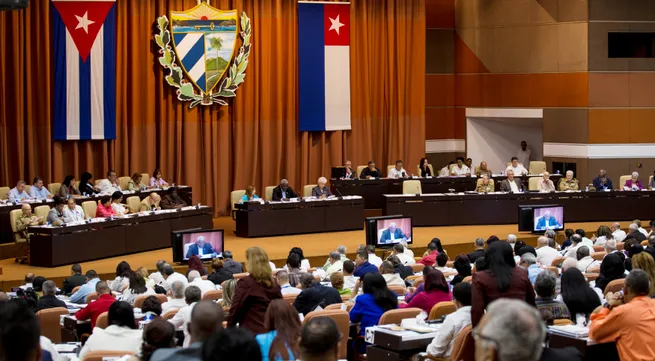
x=386, y=231
x=206, y=244
x=540, y=218
x=338, y=173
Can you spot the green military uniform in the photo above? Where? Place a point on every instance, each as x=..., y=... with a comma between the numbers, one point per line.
x=485, y=188
x=569, y=185
x=25, y=221
x=480, y=173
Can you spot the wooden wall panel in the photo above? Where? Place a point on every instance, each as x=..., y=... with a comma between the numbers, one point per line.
x=565, y=125
x=622, y=10
x=439, y=90
x=440, y=51
x=609, y=126
x=597, y=49
x=642, y=126
x=609, y=89
x=572, y=10
x=440, y=123
x=642, y=89
x=460, y=123
x=440, y=14
x=615, y=168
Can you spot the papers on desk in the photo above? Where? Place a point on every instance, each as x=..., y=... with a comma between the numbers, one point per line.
x=570, y=331
x=408, y=331
x=67, y=347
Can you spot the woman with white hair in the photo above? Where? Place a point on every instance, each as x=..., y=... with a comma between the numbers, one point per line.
x=633, y=184
x=321, y=190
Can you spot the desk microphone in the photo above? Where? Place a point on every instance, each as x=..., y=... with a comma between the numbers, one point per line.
x=340, y=195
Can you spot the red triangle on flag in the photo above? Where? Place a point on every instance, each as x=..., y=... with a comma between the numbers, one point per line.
x=83, y=20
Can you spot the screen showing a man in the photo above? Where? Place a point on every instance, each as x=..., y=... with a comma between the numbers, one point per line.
x=548, y=218
x=394, y=230
x=204, y=245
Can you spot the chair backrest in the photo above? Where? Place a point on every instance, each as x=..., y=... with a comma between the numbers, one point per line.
x=76, y=288
x=335, y=306
x=268, y=193
x=103, y=320
x=342, y=319
x=591, y=276
x=134, y=203
x=91, y=297
x=650, y=180
x=161, y=298
x=594, y=269
x=598, y=256
x=598, y=248
x=145, y=178
x=236, y=195
x=240, y=275
x=417, y=267
x=54, y=188
x=555, y=270
x=4, y=191
x=49, y=322
x=90, y=208
x=399, y=290
x=14, y=215
x=42, y=211
x=615, y=286
x=213, y=295
x=345, y=298
x=562, y=322
x=396, y=316
x=644, y=243
x=468, y=279
x=464, y=345
x=441, y=309
x=122, y=182
x=418, y=282
x=138, y=302
x=169, y=314
x=557, y=261
x=28, y=189
x=360, y=168
x=412, y=187
x=291, y=298
x=537, y=167
x=100, y=355
x=533, y=183
x=307, y=190
x=622, y=180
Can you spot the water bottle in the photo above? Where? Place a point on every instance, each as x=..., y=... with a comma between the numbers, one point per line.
x=586, y=189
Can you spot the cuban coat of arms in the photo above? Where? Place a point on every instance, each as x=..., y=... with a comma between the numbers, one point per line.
x=204, y=40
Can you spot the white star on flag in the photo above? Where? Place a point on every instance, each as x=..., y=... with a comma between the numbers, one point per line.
x=336, y=24
x=84, y=22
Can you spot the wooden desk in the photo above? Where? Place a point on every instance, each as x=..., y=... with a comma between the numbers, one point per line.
x=392, y=346
x=590, y=350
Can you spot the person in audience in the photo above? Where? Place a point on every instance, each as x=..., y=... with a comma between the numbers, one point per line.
x=529, y=262
x=49, y=300
x=640, y=228
x=483, y=170
x=576, y=242
x=121, y=334
x=545, y=253
x=283, y=326
x=567, y=243
x=86, y=187
x=158, y=277
x=392, y=278
x=633, y=184
x=516, y=167
x=143, y=272
x=151, y=307
x=370, y=172
x=105, y=209
x=435, y=290
x=89, y=287
x=294, y=270
x=441, y=261
x=38, y=284
x=633, y=248
x=321, y=190
x=413, y=291
x=644, y=261
x=119, y=209
x=336, y=280
x=628, y=319
x=610, y=247
x=304, y=262
x=192, y=296
x=229, y=288
x=76, y=279
x=175, y=297
x=363, y=265
x=237, y=344
x=55, y=215
x=18, y=193
x=603, y=233
x=469, y=163
x=171, y=276
x=460, y=169
x=110, y=184
x=254, y=293
x=602, y=182
x=584, y=259
x=150, y=203
x=282, y=278
x=230, y=264
x=349, y=280
x=137, y=287
x=341, y=250
x=430, y=258
x=511, y=240
x=336, y=264
x=569, y=183
x=350, y=173
x=19, y=333
x=618, y=234
x=171, y=200
x=424, y=167
x=204, y=285
x=549, y=308
x=372, y=257
x=442, y=345
x=479, y=250
x=445, y=171
x=633, y=229
x=399, y=268
x=399, y=251
x=203, y=320
x=200, y=247
x=612, y=268
x=484, y=186
x=158, y=334
x=220, y=274
x=72, y=212
x=500, y=278
x=135, y=183
x=314, y=294
x=29, y=281
x=462, y=265
x=157, y=181
x=123, y=273
x=375, y=300
x=283, y=191
x=27, y=219
x=251, y=194
x=511, y=184
x=545, y=184
x=38, y=191
x=319, y=340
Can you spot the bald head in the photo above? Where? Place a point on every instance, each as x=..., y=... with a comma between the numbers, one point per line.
x=543, y=241
x=3, y=297
x=569, y=263
x=206, y=318
x=616, y=226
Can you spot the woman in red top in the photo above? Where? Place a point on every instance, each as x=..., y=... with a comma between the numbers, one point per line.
x=436, y=290
x=104, y=209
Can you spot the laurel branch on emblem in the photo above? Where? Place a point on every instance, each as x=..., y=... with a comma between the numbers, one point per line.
x=186, y=91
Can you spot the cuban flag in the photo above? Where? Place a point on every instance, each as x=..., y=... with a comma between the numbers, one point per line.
x=324, y=66
x=84, y=38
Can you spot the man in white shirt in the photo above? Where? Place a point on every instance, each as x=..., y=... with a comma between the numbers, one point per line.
x=584, y=259
x=109, y=185
x=545, y=184
x=640, y=228
x=511, y=184
x=349, y=280
x=182, y=318
x=442, y=345
x=585, y=241
x=336, y=265
x=545, y=254
x=171, y=276
x=38, y=191
x=517, y=167
x=445, y=171
x=392, y=279
x=18, y=193
x=399, y=251
x=576, y=242
x=72, y=212
x=618, y=234
x=372, y=257
x=204, y=285
x=524, y=154
x=398, y=171
x=175, y=298
x=511, y=239
x=158, y=276
x=29, y=279
x=282, y=277
x=460, y=169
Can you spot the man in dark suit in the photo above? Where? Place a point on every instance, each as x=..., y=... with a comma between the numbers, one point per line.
x=49, y=300
x=370, y=171
x=479, y=250
x=602, y=182
x=387, y=234
x=283, y=191
x=511, y=184
x=201, y=249
x=547, y=222
x=230, y=264
x=77, y=279
x=314, y=294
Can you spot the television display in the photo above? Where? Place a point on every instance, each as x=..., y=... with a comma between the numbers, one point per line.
x=388, y=230
x=540, y=218
x=206, y=244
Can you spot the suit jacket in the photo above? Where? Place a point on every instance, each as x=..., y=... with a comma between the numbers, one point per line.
x=367, y=172
x=72, y=282
x=193, y=250
x=317, y=295
x=598, y=185
x=386, y=235
x=220, y=276
x=233, y=266
x=541, y=223
x=505, y=187
x=560, y=354
x=191, y=353
x=49, y=302
x=277, y=193
x=317, y=192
